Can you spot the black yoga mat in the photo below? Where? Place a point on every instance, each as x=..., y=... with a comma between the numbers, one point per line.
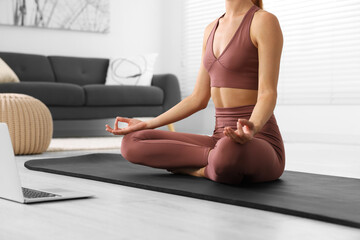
x=321, y=197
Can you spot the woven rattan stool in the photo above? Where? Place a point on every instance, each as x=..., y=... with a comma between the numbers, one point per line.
x=29, y=121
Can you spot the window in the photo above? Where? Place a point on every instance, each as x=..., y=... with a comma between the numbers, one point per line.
x=320, y=62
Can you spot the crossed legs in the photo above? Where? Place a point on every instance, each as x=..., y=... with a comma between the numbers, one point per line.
x=227, y=162
x=233, y=163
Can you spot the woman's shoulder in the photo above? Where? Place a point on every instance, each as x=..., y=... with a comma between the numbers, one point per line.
x=265, y=25
x=209, y=28
x=211, y=25
x=263, y=17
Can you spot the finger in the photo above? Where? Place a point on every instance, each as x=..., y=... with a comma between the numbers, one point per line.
x=116, y=127
x=234, y=136
x=243, y=137
x=247, y=123
x=110, y=131
x=136, y=127
x=226, y=132
x=108, y=127
x=245, y=128
x=126, y=130
x=239, y=129
x=120, y=131
x=121, y=119
x=248, y=127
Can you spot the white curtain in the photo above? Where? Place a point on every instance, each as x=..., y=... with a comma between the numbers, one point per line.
x=320, y=62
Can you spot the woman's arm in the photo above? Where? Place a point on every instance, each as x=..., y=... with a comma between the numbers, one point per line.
x=195, y=102
x=269, y=39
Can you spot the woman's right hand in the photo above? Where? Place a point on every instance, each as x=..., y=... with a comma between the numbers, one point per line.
x=133, y=125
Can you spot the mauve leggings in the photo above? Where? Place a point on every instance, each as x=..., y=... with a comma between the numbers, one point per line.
x=258, y=160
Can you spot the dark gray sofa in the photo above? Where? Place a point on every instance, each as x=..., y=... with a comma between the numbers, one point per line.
x=73, y=88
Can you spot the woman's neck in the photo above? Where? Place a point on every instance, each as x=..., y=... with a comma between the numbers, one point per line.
x=236, y=8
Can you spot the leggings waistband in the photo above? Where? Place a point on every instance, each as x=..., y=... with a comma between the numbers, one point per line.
x=241, y=111
x=229, y=116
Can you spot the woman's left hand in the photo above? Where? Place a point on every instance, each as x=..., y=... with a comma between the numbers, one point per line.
x=244, y=133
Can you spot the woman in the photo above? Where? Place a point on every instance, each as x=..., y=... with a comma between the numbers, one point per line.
x=239, y=71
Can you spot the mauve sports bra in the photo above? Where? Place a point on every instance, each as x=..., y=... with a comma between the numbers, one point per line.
x=237, y=65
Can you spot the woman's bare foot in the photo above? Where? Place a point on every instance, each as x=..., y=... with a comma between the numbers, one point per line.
x=196, y=172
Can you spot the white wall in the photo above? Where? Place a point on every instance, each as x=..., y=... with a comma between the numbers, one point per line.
x=141, y=26
x=136, y=27
x=337, y=124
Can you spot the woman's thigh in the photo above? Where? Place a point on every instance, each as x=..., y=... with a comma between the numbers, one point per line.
x=165, y=149
x=254, y=161
x=156, y=134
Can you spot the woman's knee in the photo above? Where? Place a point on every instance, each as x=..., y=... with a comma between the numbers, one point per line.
x=228, y=157
x=129, y=146
x=233, y=162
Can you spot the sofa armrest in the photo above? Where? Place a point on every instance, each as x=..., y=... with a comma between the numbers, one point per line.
x=169, y=83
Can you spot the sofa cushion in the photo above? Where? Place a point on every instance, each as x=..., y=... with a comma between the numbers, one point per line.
x=51, y=94
x=80, y=71
x=6, y=73
x=103, y=95
x=29, y=67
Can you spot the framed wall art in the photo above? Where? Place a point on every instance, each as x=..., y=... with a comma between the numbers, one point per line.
x=79, y=15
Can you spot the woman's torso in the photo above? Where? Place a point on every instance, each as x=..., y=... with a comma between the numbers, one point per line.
x=232, y=97
x=233, y=51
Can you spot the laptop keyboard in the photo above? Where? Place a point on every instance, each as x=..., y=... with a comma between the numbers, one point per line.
x=31, y=193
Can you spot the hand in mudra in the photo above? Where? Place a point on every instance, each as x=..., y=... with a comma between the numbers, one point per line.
x=244, y=133
x=133, y=125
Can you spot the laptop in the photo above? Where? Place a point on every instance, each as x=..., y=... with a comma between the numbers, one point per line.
x=10, y=185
